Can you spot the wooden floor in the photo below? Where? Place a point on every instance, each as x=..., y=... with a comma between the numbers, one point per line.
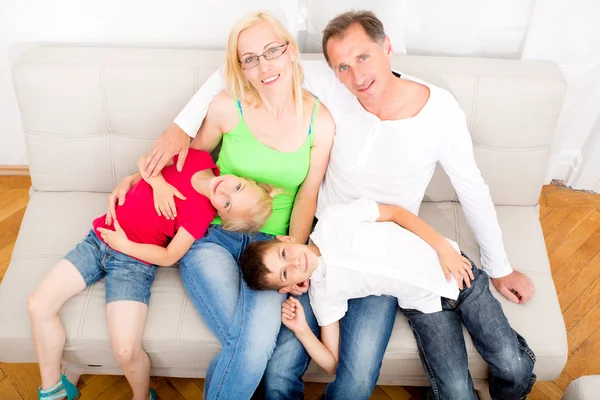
x=571, y=225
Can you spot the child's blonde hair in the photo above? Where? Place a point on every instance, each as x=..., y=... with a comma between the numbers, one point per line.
x=260, y=215
x=237, y=85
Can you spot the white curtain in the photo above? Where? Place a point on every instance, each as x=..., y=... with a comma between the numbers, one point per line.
x=476, y=28
x=319, y=12
x=569, y=34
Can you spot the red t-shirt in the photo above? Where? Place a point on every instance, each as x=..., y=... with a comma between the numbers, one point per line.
x=139, y=219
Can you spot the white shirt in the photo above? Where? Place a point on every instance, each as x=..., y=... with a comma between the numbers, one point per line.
x=361, y=257
x=391, y=162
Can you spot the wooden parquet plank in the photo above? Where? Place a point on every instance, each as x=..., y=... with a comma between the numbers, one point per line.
x=15, y=182
x=2, y=374
x=544, y=209
x=7, y=391
x=567, y=227
x=186, y=388
x=95, y=387
x=379, y=394
x=396, y=392
x=536, y=393
x=313, y=390
x=567, y=248
x=572, y=198
x=199, y=382
x=586, y=360
x=550, y=390
x=168, y=392
x=9, y=228
x=554, y=218
x=11, y=195
x=568, y=272
x=578, y=287
x=86, y=379
x=24, y=383
x=6, y=252
x=551, y=188
x=587, y=315
x=9, y=209
x=563, y=381
x=120, y=390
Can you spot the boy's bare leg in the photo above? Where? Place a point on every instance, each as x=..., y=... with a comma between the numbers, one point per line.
x=126, y=321
x=63, y=282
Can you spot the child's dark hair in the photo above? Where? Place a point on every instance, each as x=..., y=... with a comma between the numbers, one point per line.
x=254, y=270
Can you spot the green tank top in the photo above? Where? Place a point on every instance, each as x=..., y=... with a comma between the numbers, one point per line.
x=245, y=156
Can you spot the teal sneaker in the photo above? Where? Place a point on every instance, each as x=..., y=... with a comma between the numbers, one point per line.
x=62, y=390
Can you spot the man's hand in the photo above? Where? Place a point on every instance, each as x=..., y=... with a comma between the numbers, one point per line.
x=292, y=315
x=172, y=141
x=117, y=239
x=117, y=195
x=516, y=287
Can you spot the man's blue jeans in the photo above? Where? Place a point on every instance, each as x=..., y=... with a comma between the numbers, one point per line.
x=444, y=356
x=246, y=322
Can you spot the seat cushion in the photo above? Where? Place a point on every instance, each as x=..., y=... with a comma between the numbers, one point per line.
x=176, y=337
x=583, y=388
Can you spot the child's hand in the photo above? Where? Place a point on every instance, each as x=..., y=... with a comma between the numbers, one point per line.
x=454, y=264
x=164, y=199
x=292, y=315
x=117, y=239
x=117, y=195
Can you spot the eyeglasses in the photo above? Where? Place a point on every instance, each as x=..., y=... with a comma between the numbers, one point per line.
x=250, y=62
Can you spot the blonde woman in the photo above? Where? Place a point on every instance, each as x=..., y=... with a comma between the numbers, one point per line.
x=272, y=131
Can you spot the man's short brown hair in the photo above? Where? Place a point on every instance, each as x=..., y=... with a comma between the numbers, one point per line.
x=254, y=270
x=339, y=25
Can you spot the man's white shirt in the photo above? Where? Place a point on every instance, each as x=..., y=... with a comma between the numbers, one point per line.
x=361, y=257
x=390, y=162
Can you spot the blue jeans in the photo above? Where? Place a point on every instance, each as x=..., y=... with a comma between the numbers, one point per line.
x=366, y=329
x=361, y=351
x=246, y=322
x=127, y=279
x=444, y=356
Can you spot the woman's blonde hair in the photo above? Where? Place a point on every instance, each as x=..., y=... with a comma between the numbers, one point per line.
x=237, y=85
x=261, y=213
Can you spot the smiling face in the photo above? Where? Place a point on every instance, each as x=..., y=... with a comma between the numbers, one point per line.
x=360, y=63
x=234, y=198
x=289, y=263
x=268, y=75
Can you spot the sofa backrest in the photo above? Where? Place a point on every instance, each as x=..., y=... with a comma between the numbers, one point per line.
x=88, y=113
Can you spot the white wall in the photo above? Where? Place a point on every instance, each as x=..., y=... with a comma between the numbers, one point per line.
x=178, y=23
x=566, y=32
x=474, y=28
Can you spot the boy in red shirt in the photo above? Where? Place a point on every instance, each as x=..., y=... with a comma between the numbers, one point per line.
x=127, y=254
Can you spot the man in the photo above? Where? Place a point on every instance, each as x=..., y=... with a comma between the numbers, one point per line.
x=391, y=132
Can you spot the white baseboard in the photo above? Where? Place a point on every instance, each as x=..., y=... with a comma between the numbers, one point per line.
x=563, y=165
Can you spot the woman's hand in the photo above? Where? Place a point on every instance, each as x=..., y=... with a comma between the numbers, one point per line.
x=292, y=315
x=117, y=239
x=164, y=199
x=454, y=264
x=117, y=196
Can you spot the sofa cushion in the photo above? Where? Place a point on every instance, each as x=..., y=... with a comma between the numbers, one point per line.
x=583, y=388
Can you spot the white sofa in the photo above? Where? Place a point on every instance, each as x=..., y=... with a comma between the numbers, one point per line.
x=583, y=388
x=89, y=112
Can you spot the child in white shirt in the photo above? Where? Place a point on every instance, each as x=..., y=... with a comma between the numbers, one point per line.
x=355, y=253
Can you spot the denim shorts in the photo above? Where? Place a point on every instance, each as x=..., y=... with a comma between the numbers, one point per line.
x=126, y=278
